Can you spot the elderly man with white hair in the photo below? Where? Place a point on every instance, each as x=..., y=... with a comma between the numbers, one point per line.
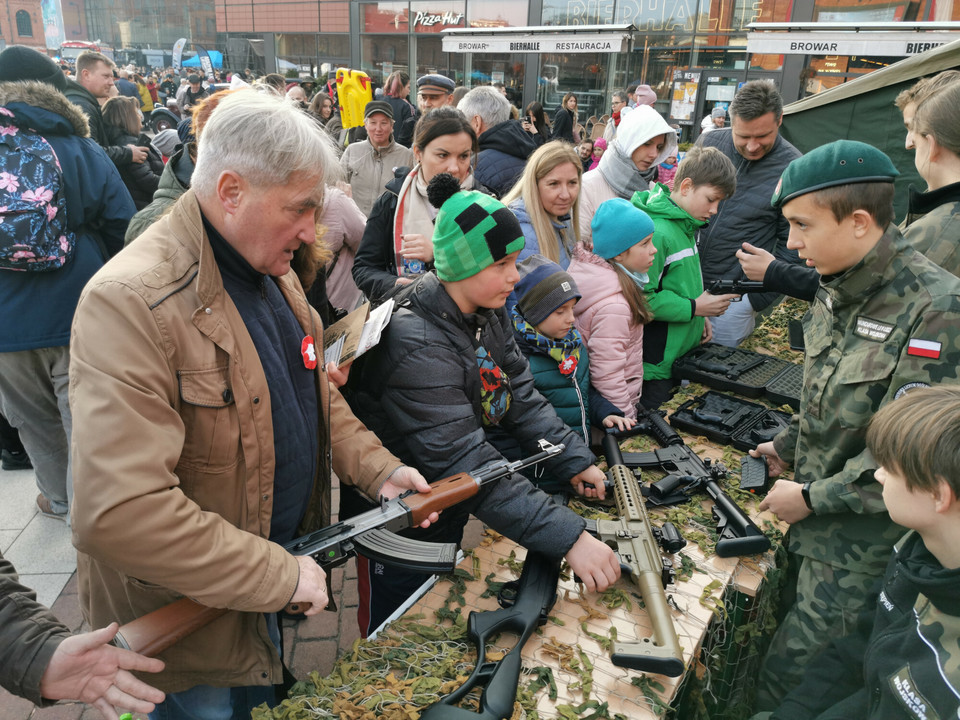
x=504, y=144
x=204, y=420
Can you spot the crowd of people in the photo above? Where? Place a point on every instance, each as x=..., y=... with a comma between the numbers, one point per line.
x=160, y=357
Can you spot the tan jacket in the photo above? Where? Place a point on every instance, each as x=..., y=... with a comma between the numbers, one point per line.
x=173, y=453
x=368, y=170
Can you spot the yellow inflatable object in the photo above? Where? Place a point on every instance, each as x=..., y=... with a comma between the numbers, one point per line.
x=354, y=91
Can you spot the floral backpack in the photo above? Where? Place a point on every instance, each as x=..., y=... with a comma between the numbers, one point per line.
x=33, y=207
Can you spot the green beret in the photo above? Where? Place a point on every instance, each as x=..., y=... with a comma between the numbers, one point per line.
x=843, y=162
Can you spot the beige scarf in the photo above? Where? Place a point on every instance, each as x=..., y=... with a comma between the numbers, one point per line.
x=415, y=215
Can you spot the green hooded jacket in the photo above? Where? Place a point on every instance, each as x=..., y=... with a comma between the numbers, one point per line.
x=675, y=283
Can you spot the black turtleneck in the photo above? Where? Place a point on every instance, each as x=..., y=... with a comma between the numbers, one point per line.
x=293, y=397
x=920, y=203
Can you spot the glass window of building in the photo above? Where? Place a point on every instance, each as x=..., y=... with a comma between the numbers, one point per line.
x=386, y=17
x=380, y=55
x=496, y=13
x=432, y=59
x=24, y=24
x=564, y=12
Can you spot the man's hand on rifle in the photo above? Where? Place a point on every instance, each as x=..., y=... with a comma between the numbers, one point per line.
x=593, y=562
x=589, y=482
x=407, y=478
x=311, y=587
x=88, y=668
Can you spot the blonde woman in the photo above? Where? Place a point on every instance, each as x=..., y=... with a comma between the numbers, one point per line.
x=546, y=201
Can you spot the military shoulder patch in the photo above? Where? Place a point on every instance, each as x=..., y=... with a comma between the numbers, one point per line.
x=872, y=329
x=924, y=348
x=904, y=389
x=905, y=690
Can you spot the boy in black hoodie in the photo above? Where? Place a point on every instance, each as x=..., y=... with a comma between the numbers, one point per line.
x=903, y=659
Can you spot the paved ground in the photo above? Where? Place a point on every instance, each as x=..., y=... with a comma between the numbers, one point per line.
x=40, y=549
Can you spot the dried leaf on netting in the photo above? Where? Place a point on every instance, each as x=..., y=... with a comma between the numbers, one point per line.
x=714, y=604
x=542, y=678
x=490, y=536
x=493, y=586
x=613, y=597
x=559, y=650
x=651, y=690
x=511, y=562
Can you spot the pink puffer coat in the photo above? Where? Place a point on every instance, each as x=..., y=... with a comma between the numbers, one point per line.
x=603, y=318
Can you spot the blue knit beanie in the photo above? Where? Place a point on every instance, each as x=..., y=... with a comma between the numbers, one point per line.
x=543, y=287
x=617, y=226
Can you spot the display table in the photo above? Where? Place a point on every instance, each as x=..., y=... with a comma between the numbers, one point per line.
x=722, y=609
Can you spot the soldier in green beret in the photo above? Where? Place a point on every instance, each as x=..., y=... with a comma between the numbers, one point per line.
x=885, y=319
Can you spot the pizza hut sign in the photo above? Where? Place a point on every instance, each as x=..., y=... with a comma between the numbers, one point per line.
x=426, y=19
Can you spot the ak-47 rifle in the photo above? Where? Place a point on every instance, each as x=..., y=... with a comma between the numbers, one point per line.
x=687, y=473
x=371, y=534
x=525, y=604
x=636, y=542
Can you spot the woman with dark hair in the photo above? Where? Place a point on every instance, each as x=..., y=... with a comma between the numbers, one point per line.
x=397, y=246
x=395, y=91
x=321, y=108
x=565, y=121
x=121, y=120
x=535, y=122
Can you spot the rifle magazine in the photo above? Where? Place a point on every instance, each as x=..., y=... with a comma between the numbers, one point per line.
x=406, y=553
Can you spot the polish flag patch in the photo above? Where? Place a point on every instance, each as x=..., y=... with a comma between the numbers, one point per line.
x=924, y=348
x=309, y=352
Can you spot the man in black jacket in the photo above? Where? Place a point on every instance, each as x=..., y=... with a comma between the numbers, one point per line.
x=94, y=80
x=504, y=144
x=760, y=156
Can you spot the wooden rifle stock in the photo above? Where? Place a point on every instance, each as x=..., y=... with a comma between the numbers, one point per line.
x=156, y=631
x=153, y=633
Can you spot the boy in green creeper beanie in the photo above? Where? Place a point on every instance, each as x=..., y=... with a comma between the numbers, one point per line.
x=446, y=376
x=675, y=291
x=885, y=320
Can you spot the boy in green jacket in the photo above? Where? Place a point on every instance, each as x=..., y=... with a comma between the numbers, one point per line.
x=674, y=288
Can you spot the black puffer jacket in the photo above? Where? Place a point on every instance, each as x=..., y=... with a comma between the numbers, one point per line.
x=141, y=179
x=420, y=393
x=901, y=660
x=747, y=216
x=504, y=150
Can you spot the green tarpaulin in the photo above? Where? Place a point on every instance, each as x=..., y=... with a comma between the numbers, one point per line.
x=863, y=110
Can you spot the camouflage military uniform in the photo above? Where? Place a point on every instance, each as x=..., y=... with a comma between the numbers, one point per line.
x=889, y=323
x=932, y=226
x=903, y=659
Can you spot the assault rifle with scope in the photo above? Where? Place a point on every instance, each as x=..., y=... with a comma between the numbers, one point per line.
x=371, y=534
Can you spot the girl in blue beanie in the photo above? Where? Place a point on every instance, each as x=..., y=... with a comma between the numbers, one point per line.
x=612, y=311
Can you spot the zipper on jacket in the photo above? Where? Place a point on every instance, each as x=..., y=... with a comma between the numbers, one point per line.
x=583, y=409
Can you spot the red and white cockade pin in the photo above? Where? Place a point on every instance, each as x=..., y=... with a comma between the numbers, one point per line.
x=924, y=348
x=568, y=365
x=309, y=352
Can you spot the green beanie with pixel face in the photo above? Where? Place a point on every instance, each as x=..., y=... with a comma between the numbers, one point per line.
x=472, y=230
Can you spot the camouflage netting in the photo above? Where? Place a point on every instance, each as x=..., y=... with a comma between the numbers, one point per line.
x=421, y=658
